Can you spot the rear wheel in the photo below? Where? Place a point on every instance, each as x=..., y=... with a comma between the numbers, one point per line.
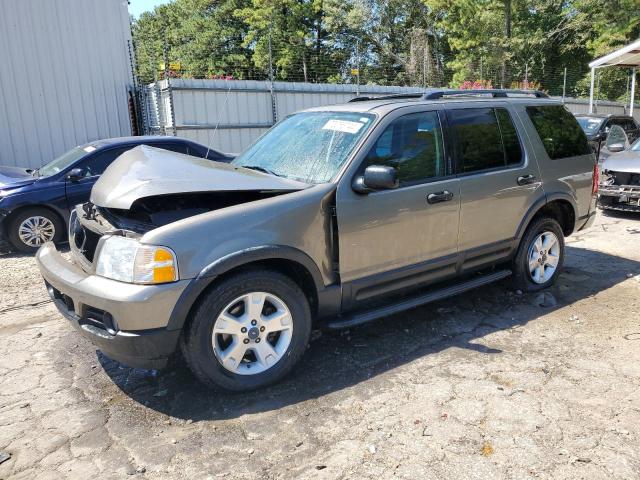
x=31, y=228
x=540, y=255
x=248, y=332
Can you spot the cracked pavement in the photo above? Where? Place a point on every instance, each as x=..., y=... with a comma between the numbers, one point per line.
x=492, y=384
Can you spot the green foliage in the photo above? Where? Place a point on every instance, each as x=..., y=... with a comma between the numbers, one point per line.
x=400, y=42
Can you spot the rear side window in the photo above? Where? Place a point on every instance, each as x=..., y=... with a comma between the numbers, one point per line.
x=629, y=125
x=485, y=139
x=559, y=131
x=412, y=144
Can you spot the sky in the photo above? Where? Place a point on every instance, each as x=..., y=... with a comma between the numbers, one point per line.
x=137, y=7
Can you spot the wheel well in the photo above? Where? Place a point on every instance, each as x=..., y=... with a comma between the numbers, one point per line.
x=562, y=211
x=292, y=269
x=19, y=210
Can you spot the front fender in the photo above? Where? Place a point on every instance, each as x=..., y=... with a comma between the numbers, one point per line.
x=237, y=259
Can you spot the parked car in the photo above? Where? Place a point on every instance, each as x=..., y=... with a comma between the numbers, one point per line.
x=338, y=215
x=597, y=127
x=35, y=203
x=620, y=178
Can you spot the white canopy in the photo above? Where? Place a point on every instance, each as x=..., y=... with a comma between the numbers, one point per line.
x=628, y=57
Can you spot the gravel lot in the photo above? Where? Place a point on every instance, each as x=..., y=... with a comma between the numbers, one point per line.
x=488, y=385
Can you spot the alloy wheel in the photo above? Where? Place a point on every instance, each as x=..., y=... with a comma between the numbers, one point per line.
x=35, y=231
x=252, y=333
x=544, y=256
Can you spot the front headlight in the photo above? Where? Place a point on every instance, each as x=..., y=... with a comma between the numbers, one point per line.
x=127, y=260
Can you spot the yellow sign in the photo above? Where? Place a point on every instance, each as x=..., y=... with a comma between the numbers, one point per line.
x=355, y=71
x=175, y=66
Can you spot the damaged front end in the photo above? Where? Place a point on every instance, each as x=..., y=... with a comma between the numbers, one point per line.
x=148, y=188
x=619, y=191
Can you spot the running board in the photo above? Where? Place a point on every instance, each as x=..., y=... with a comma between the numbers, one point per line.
x=359, y=318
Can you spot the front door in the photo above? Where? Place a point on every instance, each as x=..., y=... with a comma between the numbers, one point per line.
x=498, y=182
x=399, y=238
x=92, y=166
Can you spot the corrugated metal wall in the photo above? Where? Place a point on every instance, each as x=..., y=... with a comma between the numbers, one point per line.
x=65, y=76
x=229, y=115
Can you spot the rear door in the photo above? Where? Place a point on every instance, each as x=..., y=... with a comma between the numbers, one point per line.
x=499, y=182
x=399, y=238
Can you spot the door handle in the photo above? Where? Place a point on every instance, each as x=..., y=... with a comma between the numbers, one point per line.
x=526, y=180
x=439, y=197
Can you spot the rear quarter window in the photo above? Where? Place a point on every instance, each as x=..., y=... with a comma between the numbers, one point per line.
x=559, y=131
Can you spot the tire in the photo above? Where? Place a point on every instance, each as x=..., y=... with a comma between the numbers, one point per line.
x=49, y=225
x=210, y=353
x=523, y=273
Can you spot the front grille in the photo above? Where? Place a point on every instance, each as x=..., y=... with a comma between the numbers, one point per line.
x=82, y=240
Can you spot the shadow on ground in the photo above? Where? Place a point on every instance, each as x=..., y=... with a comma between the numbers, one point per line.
x=337, y=360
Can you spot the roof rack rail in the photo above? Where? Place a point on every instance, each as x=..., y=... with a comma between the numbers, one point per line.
x=495, y=92
x=435, y=94
x=391, y=96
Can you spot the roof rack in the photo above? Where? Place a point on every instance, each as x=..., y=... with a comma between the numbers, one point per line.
x=495, y=92
x=435, y=94
x=388, y=97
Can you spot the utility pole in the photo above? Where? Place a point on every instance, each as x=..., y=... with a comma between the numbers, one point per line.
x=357, y=67
x=564, y=84
x=274, y=110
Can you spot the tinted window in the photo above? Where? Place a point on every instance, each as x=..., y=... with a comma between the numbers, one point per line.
x=629, y=125
x=98, y=163
x=559, y=131
x=510, y=140
x=413, y=145
x=485, y=138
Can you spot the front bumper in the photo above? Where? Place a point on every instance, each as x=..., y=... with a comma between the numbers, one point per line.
x=619, y=197
x=4, y=240
x=126, y=322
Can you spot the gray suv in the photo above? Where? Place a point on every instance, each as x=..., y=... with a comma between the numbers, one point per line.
x=336, y=216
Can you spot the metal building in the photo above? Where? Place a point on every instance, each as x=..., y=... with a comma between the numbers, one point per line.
x=66, y=76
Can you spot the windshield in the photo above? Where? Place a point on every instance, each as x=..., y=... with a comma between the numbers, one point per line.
x=309, y=147
x=589, y=125
x=63, y=161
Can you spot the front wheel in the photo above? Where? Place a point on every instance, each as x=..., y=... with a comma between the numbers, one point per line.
x=29, y=229
x=248, y=331
x=540, y=255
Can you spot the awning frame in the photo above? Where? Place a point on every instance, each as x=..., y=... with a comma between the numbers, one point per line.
x=625, y=57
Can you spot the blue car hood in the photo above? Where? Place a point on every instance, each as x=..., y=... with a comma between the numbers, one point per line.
x=13, y=177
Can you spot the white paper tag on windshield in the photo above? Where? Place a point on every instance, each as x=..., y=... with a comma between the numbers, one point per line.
x=89, y=149
x=342, y=126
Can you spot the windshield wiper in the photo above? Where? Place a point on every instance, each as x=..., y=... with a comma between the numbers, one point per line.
x=261, y=169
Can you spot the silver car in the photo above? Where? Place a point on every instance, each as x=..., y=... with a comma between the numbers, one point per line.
x=620, y=178
x=336, y=216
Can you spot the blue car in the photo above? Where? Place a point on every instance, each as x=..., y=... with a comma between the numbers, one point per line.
x=35, y=204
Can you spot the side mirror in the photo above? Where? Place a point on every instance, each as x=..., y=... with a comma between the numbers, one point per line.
x=616, y=147
x=75, y=174
x=376, y=177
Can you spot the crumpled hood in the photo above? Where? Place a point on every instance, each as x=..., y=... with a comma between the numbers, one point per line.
x=628, y=161
x=146, y=172
x=11, y=177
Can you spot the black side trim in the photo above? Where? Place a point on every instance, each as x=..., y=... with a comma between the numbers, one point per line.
x=492, y=253
x=409, y=276
x=415, y=301
x=237, y=259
